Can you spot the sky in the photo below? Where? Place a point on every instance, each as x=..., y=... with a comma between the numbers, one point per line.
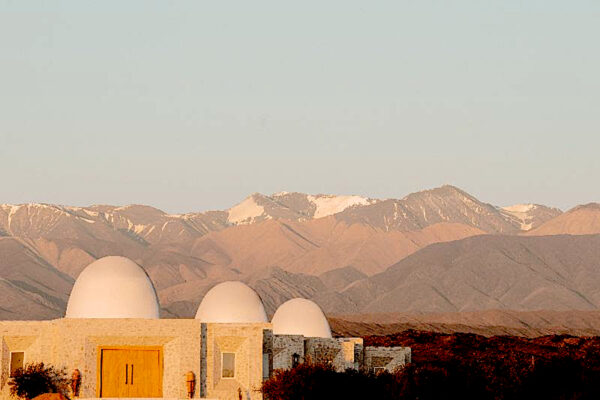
x=193, y=105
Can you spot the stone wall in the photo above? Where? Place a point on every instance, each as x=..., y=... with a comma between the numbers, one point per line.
x=386, y=358
x=247, y=342
x=187, y=345
x=75, y=343
x=19, y=336
x=341, y=353
x=325, y=351
x=267, y=370
x=353, y=352
x=284, y=348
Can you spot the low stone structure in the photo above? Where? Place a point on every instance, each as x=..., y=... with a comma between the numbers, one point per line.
x=341, y=353
x=183, y=344
x=386, y=358
x=225, y=354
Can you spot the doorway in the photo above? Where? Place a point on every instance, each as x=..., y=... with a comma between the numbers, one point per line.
x=130, y=372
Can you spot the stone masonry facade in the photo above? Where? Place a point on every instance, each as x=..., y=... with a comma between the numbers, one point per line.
x=341, y=353
x=187, y=345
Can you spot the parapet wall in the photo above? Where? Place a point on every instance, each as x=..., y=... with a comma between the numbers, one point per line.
x=341, y=353
x=386, y=358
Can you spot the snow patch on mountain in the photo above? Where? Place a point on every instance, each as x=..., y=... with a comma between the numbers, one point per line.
x=10, y=210
x=245, y=212
x=522, y=213
x=329, y=204
x=520, y=208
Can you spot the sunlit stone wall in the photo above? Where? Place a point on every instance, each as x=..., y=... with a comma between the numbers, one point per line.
x=187, y=345
x=246, y=341
x=74, y=343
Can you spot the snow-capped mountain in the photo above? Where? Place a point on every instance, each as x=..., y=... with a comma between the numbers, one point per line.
x=291, y=206
x=44, y=247
x=529, y=216
x=446, y=204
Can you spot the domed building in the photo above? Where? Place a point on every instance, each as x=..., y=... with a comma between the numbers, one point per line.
x=231, y=302
x=300, y=317
x=113, y=287
x=115, y=345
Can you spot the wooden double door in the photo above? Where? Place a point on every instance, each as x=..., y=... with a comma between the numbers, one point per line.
x=131, y=372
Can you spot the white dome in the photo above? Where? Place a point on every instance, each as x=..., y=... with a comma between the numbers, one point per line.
x=229, y=302
x=113, y=287
x=300, y=317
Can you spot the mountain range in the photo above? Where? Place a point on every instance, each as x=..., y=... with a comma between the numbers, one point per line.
x=438, y=250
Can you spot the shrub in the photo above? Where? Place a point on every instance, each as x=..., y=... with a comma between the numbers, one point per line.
x=458, y=366
x=315, y=382
x=36, y=379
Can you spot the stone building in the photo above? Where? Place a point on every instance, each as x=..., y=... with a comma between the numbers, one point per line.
x=113, y=336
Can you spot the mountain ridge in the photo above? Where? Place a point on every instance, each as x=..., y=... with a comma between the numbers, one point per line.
x=281, y=205
x=330, y=247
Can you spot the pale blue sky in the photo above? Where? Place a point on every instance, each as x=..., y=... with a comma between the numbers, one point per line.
x=192, y=105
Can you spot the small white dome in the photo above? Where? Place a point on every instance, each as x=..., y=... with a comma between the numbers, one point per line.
x=300, y=317
x=113, y=287
x=230, y=302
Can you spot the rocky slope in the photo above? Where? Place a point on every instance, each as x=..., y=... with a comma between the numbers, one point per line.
x=334, y=249
x=292, y=206
x=529, y=216
x=29, y=286
x=487, y=323
x=489, y=272
x=581, y=220
x=446, y=204
x=493, y=272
